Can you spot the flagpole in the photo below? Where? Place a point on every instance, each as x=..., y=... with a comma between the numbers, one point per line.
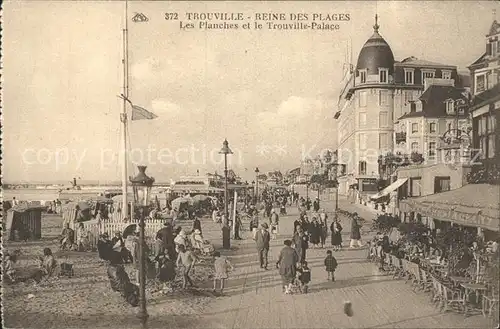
x=124, y=118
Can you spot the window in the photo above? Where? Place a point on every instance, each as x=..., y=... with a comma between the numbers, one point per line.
x=408, y=96
x=486, y=126
x=441, y=184
x=409, y=74
x=446, y=75
x=491, y=146
x=362, y=141
x=432, y=149
x=362, y=119
x=383, y=75
x=383, y=119
x=383, y=142
x=415, y=186
x=491, y=123
x=383, y=97
x=450, y=107
x=427, y=75
x=362, y=76
x=414, y=147
x=432, y=127
x=362, y=98
x=480, y=83
x=362, y=167
x=494, y=48
x=414, y=128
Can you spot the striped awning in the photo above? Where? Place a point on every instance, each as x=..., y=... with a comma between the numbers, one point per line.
x=386, y=191
x=474, y=205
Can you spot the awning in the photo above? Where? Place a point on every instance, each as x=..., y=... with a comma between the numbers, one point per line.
x=474, y=205
x=393, y=187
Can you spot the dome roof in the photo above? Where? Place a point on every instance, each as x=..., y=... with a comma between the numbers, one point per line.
x=376, y=53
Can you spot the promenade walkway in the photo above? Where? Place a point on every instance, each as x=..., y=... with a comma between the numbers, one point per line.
x=254, y=298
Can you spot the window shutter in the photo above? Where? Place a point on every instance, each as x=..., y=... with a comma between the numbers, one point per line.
x=488, y=49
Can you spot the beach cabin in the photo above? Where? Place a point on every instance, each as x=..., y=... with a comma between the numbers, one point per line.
x=24, y=223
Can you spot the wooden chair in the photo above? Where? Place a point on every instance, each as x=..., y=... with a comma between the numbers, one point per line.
x=451, y=297
x=490, y=302
x=397, y=267
x=436, y=296
x=414, y=275
x=426, y=284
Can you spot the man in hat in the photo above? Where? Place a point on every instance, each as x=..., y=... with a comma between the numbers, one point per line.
x=262, y=238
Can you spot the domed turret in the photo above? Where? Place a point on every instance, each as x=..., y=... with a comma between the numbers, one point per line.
x=376, y=53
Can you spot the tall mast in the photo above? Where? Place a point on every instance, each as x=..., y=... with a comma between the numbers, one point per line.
x=124, y=118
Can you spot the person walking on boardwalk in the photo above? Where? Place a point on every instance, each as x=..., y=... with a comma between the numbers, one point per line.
x=301, y=243
x=355, y=231
x=336, y=229
x=287, y=265
x=262, y=238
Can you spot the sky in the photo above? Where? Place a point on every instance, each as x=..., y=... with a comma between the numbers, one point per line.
x=272, y=94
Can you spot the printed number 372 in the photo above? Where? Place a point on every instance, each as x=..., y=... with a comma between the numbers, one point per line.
x=171, y=16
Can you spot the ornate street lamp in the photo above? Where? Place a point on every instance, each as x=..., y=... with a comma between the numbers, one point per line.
x=226, y=242
x=253, y=192
x=142, y=185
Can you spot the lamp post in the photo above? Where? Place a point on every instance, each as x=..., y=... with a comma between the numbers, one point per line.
x=257, y=184
x=226, y=241
x=142, y=185
x=253, y=192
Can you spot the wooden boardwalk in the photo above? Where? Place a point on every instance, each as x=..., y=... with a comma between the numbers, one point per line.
x=254, y=298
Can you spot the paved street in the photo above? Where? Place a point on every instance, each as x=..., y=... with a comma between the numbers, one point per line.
x=254, y=298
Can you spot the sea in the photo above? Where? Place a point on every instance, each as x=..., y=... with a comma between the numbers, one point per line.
x=51, y=194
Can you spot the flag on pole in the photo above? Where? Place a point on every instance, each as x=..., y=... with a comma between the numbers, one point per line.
x=139, y=113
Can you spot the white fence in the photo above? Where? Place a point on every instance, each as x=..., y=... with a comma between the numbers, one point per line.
x=95, y=229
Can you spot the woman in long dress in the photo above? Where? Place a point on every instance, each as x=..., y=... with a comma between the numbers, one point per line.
x=315, y=232
x=287, y=265
x=336, y=229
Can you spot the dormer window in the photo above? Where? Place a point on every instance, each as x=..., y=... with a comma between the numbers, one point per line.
x=450, y=107
x=494, y=48
x=409, y=76
x=446, y=74
x=383, y=75
x=362, y=76
x=427, y=75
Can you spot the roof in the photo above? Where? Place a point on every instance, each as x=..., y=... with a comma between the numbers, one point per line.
x=486, y=96
x=479, y=60
x=433, y=102
x=413, y=61
x=472, y=205
x=376, y=53
x=494, y=29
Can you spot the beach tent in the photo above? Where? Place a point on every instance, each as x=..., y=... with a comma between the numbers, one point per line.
x=24, y=223
x=70, y=212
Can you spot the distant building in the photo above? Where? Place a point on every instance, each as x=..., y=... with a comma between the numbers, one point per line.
x=374, y=103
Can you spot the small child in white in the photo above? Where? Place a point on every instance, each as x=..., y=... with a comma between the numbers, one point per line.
x=222, y=268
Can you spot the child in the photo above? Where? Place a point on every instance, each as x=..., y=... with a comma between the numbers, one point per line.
x=304, y=277
x=167, y=272
x=187, y=259
x=330, y=264
x=222, y=267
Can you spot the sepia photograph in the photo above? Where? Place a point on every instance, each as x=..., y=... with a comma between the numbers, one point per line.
x=250, y=164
